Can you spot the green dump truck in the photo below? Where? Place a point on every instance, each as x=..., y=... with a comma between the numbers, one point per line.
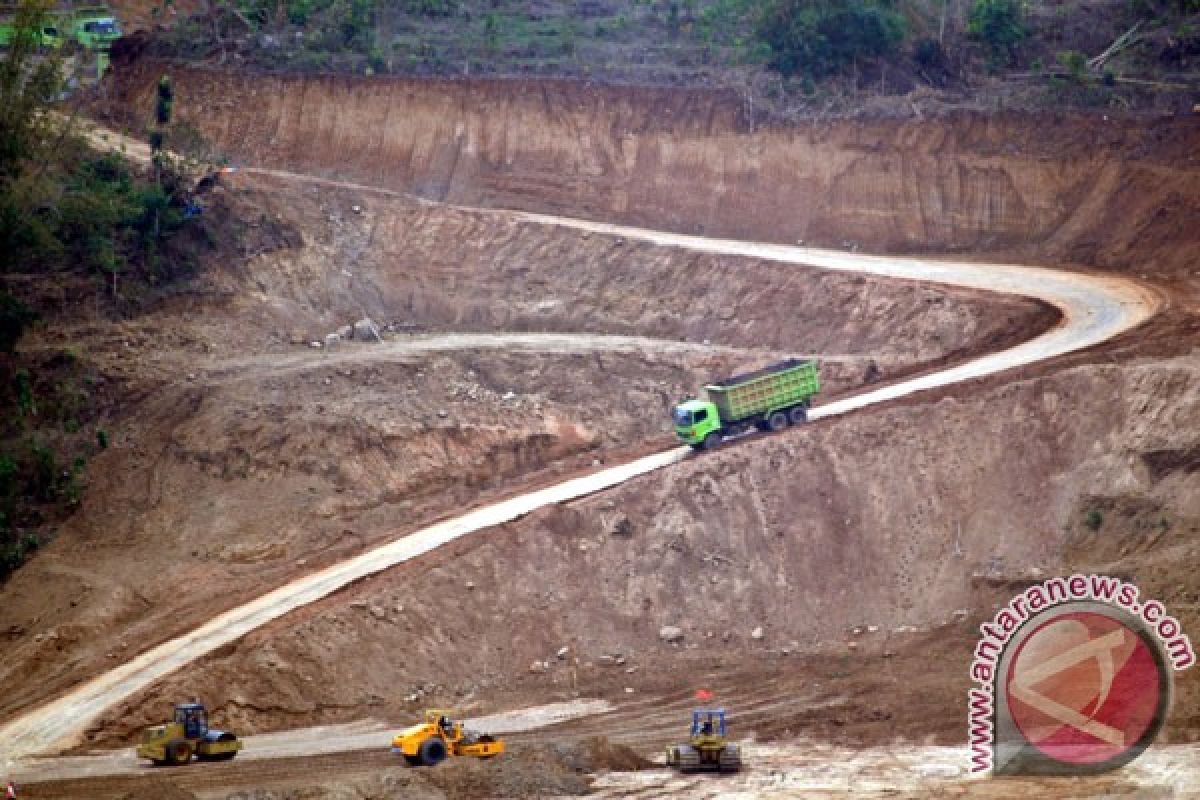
x=93, y=27
x=769, y=399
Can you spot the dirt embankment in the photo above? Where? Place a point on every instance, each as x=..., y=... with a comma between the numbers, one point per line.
x=1106, y=191
x=244, y=457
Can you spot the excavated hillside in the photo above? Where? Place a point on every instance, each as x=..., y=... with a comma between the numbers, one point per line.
x=248, y=457
x=897, y=523
x=243, y=457
x=1113, y=192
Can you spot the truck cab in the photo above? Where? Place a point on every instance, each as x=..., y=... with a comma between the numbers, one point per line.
x=695, y=420
x=97, y=29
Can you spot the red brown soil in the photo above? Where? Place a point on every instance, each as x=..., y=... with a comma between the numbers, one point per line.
x=233, y=480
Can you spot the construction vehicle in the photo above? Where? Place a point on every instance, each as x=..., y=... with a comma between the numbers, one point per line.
x=768, y=399
x=175, y=742
x=428, y=743
x=94, y=28
x=708, y=748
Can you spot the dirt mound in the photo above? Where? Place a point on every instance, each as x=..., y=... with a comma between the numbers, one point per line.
x=598, y=754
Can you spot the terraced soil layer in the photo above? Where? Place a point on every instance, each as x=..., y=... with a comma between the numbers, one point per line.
x=1100, y=190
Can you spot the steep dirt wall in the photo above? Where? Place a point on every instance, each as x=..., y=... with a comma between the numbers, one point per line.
x=1091, y=189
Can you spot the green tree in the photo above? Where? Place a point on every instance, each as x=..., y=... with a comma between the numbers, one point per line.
x=820, y=37
x=30, y=81
x=1000, y=26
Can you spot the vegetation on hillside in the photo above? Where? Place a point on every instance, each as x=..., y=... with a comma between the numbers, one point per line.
x=75, y=226
x=794, y=48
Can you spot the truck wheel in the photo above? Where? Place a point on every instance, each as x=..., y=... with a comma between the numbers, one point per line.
x=432, y=752
x=712, y=441
x=798, y=415
x=777, y=421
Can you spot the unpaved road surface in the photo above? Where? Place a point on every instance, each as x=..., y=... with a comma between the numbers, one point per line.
x=366, y=735
x=810, y=769
x=1095, y=308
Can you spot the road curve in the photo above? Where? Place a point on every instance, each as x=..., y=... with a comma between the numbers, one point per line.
x=1095, y=308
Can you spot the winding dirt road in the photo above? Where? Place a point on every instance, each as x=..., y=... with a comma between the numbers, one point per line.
x=1095, y=308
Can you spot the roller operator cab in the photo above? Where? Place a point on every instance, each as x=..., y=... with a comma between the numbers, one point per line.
x=174, y=743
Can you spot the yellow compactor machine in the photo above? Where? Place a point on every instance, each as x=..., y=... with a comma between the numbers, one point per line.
x=175, y=742
x=428, y=743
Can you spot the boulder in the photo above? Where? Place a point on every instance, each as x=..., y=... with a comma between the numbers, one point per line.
x=366, y=331
x=671, y=634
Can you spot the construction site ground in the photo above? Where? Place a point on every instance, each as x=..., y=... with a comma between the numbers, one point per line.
x=867, y=547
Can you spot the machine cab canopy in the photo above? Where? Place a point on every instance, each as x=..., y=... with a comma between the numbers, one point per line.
x=193, y=718
x=708, y=722
x=690, y=412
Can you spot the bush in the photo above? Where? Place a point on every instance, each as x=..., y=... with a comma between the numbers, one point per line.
x=1075, y=63
x=1000, y=26
x=819, y=38
x=1094, y=519
x=15, y=317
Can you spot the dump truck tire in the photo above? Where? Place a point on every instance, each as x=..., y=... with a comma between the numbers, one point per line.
x=179, y=751
x=798, y=415
x=432, y=752
x=777, y=421
x=712, y=441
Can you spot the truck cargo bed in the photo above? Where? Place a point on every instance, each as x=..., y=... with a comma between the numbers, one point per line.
x=788, y=383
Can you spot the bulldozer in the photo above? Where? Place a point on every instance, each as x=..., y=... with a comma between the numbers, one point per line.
x=174, y=743
x=427, y=744
x=707, y=748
